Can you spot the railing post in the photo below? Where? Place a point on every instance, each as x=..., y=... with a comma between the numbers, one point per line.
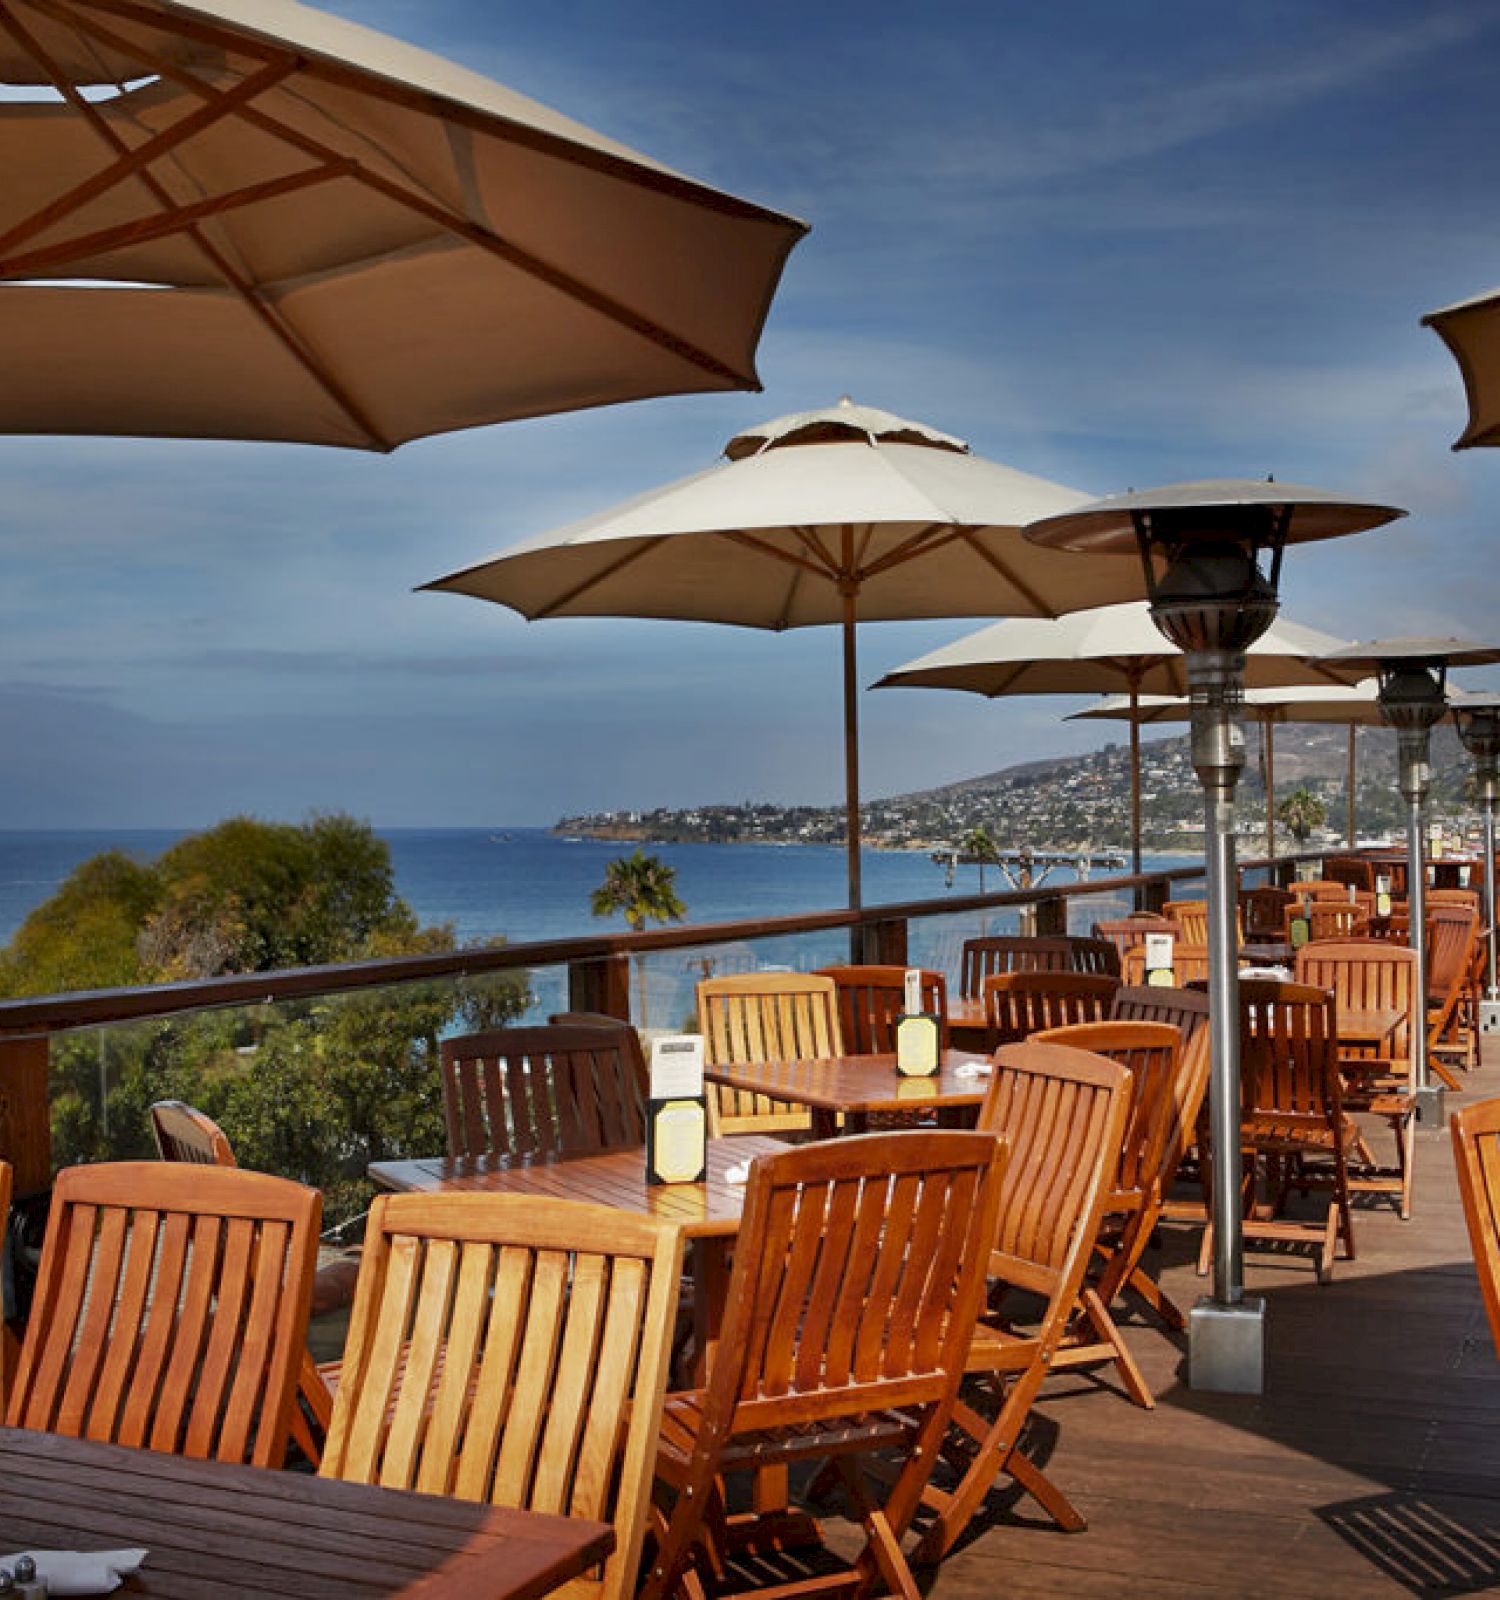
x=1051, y=915
x=1155, y=894
x=886, y=942
x=25, y=1113
x=601, y=983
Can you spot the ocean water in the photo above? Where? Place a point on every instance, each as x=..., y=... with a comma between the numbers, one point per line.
x=527, y=883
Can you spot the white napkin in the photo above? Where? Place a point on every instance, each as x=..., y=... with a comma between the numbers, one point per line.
x=81, y=1571
x=1275, y=974
x=972, y=1069
x=739, y=1174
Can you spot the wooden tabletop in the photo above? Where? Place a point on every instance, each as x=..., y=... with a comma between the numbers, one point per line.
x=614, y=1178
x=856, y=1084
x=220, y=1532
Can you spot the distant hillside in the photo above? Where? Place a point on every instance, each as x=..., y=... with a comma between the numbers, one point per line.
x=1077, y=802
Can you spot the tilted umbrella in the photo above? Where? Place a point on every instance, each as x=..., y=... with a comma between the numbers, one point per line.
x=1355, y=705
x=1471, y=330
x=838, y=516
x=1101, y=649
x=289, y=227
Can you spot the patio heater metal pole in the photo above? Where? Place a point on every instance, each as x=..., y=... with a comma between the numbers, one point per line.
x=1491, y=989
x=1135, y=782
x=1349, y=830
x=1416, y=780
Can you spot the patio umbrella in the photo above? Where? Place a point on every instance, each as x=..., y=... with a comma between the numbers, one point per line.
x=248, y=219
x=833, y=516
x=1101, y=649
x=1471, y=330
x=1357, y=706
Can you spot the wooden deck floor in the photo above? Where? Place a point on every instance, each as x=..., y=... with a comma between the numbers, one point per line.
x=1370, y=1467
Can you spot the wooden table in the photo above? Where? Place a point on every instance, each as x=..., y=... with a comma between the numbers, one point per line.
x=708, y=1213
x=220, y=1532
x=858, y=1086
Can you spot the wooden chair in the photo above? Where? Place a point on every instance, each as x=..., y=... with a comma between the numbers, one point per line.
x=9, y=1346
x=1476, y=1152
x=871, y=998
x=542, y=1090
x=1189, y=965
x=1263, y=913
x=1187, y=1010
x=1191, y=916
x=1062, y=1114
x=602, y=1019
x=1126, y=933
x=170, y=1310
x=1018, y=1004
x=1097, y=955
x=511, y=1350
x=185, y=1134
x=1370, y=974
x=765, y=1016
x=1333, y=919
x=1350, y=870
x=1452, y=939
x=983, y=958
x=1318, y=889
x=1293, y=1127
x=1149, y=1052
x=858, y=1278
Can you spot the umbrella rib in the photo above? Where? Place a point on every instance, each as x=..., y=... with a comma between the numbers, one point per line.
x=991, y=559
x=822, y=568
x=180, y=219
x=206, y=30
x=470, y=232
x=933, y=537
x=553, y=607
x=143, y=155
x=271, y=319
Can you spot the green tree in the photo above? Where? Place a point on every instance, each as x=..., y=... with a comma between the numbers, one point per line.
x=980, y=843
x=641, y=889
x=312, y=1089
x=1300, y=812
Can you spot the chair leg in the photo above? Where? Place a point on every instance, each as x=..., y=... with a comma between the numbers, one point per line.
x=1157, y=1298
x=882, y=1545
x=1109, y=1333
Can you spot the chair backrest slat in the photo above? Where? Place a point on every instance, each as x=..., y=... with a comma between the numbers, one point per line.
x=1366, y=975
x=765, y=1016
x=542, y=1090
x=1476, y=1151
x=870, y=998
x=1018, y=1004
x=171, y=1310
x=511, y=1350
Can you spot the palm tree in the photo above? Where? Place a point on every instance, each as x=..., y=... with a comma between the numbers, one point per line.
x=641, y=889
x=980, y=843
x=1301, y=812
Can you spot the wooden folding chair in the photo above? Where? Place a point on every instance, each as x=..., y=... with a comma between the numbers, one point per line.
x=871, y=998
x=511, y=1350
x=1127, y=933
x=1187, y=1010
x=631, y=1039
x=1010, y=952
x=170, y=1310
x=1293, y=1128
x=1318, y=889
x=1018, y=1004
x=1189, y=965
x=185, y=1134
x=1191, y=916
x=1372, y=974
x=1452, y=939
x=1098, y=955
x=1350, y=870
x=858, y=1276
x=1062, y=1114
x=541, y=1090
x=1263, y=913
x=1149, y=1052
x=765, y=1016
x=1476, y=1153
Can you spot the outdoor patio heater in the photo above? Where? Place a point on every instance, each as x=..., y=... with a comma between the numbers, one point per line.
x=1478, y=719
x=1201, y=547
x=1413, y=679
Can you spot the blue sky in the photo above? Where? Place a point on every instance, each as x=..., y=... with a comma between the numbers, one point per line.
x=1110, y=245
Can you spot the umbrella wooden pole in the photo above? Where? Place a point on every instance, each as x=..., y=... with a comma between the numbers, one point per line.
x=851, y=751
x=1349, y=830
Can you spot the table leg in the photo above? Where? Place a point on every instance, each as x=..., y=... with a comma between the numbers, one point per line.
x=710, y=1269
x=825, y=1123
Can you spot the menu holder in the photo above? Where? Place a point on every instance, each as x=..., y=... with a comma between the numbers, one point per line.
x=1383, y=895
x=1160, y=972
x=1299, y=927
x=677, y=1112
x=1464, y=872
x=918, y=1033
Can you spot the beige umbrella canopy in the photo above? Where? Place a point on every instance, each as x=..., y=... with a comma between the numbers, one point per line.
x=1471, y=330
x=249, y=219
x=832, y=516
x=1100, y=649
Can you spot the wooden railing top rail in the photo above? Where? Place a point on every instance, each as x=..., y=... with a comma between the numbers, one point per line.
x=36, y=1016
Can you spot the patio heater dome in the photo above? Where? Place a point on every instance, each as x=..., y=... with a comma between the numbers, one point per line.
x=1213, y=596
